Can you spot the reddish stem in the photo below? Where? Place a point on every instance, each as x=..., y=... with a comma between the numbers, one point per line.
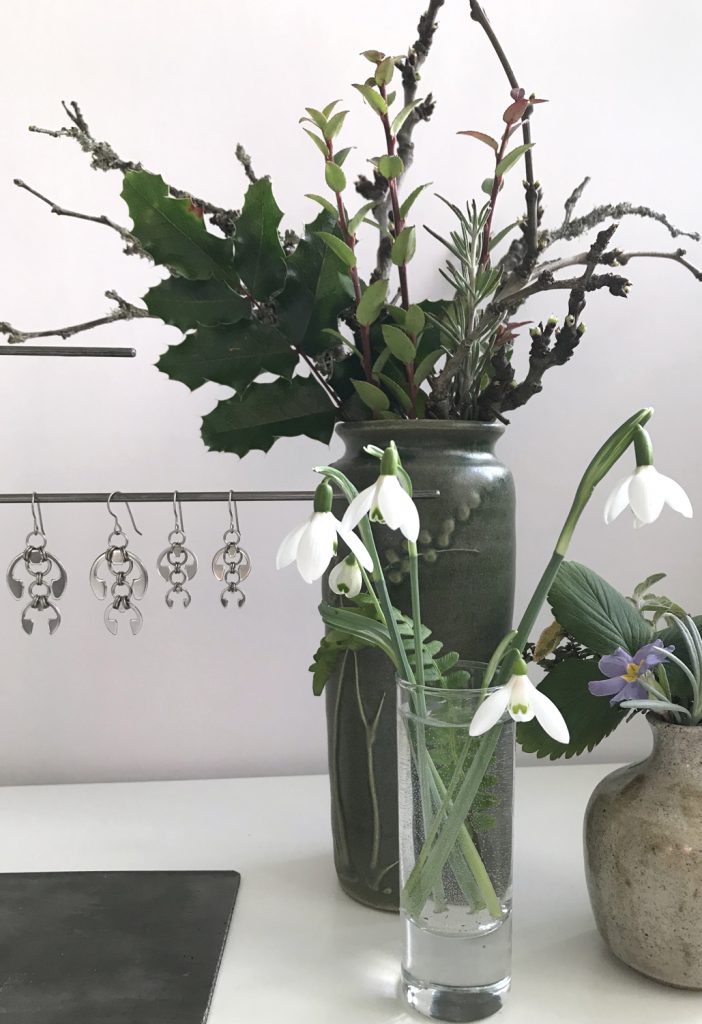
x=353, y=274
x=398, y=225
x=496, y=185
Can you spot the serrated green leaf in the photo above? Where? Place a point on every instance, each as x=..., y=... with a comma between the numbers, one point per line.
x=326, y=111
x=415, y=320
x=596, y=614
x=399, y=393
x=511, y=159
x=399, y=344
x=259, y=259
x=482, y=137
x=357, y=219
x=339, y=247
x=372, y=302
x=384, y=71
x=374, y=56
x=334, y=176
x=316, y=290
x=390, y=166
x=234, y=355
x=372, y=396
x=172, y=233
x=324, y=203
x=400, y=118
x=590, y=719
x=427, y=365
x=317, y=117
x=649, y=582
x=319, y=143
x=186, y=304
x=372, y=97
x=411, y=199
x=256, y=419
x=404, y=247
x=334, y=124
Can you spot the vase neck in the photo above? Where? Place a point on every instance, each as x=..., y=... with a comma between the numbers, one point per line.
x=432, y=435
x=676, y=747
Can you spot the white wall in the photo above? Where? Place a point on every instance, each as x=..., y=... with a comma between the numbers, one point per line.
x=176, y=84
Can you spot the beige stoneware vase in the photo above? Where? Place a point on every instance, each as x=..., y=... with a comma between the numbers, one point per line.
x=643, y=858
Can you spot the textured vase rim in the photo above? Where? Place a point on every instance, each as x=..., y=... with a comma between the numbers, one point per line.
x=659, y=724
x=388, y=426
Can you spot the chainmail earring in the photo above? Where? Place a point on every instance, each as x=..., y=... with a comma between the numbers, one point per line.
x=231, y=564
x=45, y=577
x=129, y=578
x=176, y=563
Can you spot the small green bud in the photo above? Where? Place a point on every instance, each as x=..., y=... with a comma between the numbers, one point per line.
x=553, y=320
x=519, y=666
x=570, y=320
x=581, y=328
x=448, y=526
x=463, y=513
x=389, y=461
x=323, y=497
x=443, y=540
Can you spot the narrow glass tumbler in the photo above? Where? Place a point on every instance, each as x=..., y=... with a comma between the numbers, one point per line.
x=455, y=816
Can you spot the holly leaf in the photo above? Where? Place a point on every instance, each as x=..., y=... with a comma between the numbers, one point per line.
x=590, y=719
x=234, y=355
x=258, y=255
x=317, y=289
x=596, y=614
x=172, y=232
x=187, y=304
x=257, y=417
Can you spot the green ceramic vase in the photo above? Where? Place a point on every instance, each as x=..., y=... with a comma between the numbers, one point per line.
x=467, y=556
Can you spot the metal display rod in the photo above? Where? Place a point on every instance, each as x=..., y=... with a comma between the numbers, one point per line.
x=59, y=350
x=92, y=497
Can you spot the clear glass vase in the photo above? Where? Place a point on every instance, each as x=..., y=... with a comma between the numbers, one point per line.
x=455, y=818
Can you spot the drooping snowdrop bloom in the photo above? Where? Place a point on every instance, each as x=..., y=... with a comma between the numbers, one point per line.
x=386, y=501
x=521, y=698
x=625, y=671
x=314, y=544
x=646, y=491
x=346, y=578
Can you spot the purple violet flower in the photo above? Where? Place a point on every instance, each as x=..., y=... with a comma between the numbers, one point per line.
x=623, y=671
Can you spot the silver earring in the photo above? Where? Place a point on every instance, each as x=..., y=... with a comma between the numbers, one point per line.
x=176, y=563
x=47, y=577
x=129, y=576
x=231, y=564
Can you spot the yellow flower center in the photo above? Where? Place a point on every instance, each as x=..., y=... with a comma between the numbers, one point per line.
x=632, y=672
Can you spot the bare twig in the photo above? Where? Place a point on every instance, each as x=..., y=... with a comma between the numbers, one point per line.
x=104, y=158
x=611, y=211
x=245, y=161
x=617, y=258
x=132, y=244
x=124, y=310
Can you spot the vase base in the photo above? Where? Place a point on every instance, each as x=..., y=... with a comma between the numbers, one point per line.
x=387, y=902
x=452, y=1003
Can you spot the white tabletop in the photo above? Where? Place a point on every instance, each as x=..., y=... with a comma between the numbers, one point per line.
x=299, y=951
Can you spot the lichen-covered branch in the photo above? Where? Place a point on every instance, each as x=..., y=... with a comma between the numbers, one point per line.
x=123, y=310
x=611, y=211
x=132, y=245
x=617, y=258
x=104, y=158
x=245, y=161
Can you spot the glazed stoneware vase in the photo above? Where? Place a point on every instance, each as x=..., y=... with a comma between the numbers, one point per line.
x=643, y=858
x=466, y=550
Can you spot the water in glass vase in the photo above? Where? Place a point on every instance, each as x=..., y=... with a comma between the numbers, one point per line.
x=455, y=854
